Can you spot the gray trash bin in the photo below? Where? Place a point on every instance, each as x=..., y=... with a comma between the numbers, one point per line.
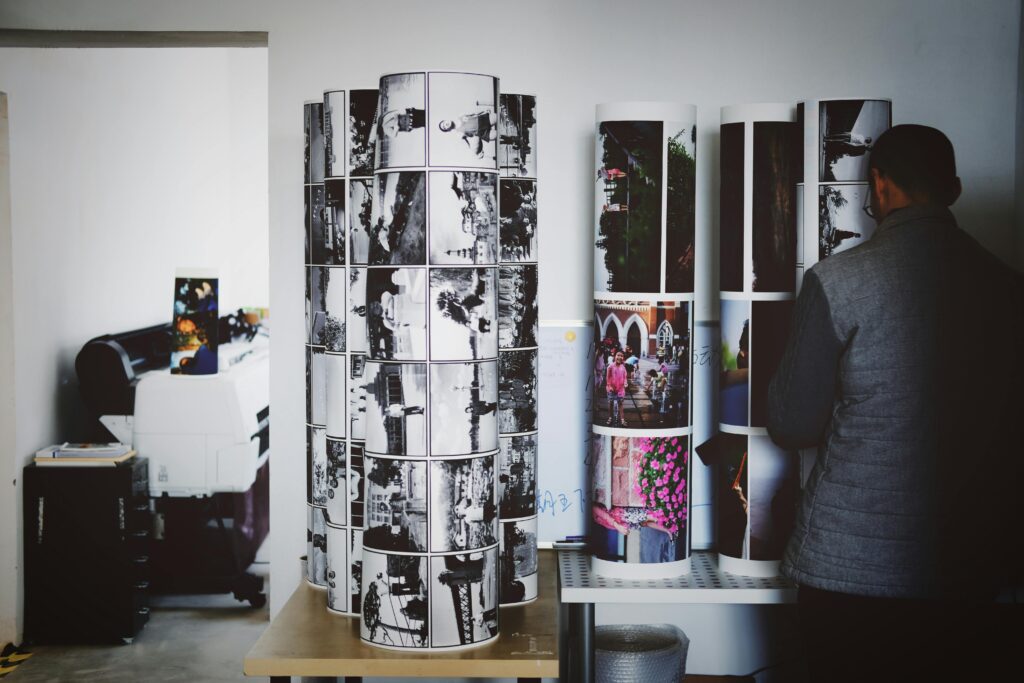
x=640, y=653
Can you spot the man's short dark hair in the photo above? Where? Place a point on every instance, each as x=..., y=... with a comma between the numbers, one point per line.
x=919, y=159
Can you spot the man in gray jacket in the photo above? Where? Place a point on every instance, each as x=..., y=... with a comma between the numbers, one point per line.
x=901, y=369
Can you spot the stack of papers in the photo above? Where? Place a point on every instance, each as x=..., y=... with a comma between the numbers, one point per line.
x=69, y=453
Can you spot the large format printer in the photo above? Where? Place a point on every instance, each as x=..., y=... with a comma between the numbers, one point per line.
x=207, y=441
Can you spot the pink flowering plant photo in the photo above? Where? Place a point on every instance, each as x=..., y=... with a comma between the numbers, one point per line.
x=661, y=481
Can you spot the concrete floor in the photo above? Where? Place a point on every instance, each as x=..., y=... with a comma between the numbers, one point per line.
x=188, y=638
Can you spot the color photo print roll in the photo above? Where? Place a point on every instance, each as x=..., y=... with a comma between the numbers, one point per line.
x=428, y=390
x=838, y=135
x=518, y=329
x=194, y=322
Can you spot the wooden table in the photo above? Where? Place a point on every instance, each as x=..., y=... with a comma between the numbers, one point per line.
x=307, y=640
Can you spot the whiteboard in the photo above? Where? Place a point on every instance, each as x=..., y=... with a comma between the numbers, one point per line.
x=566, y=354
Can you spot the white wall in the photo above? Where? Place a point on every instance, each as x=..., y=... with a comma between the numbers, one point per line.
x=125, y=164
x=947, y=63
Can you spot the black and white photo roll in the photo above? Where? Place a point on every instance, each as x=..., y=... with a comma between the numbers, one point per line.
x=426, y=397
x=518, y=550
x=338, y=569
x=644, y=293
x=838, y=135
x=316, y=546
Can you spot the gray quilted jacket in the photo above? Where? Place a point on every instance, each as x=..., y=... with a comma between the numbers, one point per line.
x=903, y=369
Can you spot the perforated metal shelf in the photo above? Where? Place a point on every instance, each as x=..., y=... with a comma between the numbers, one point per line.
x=705, y=583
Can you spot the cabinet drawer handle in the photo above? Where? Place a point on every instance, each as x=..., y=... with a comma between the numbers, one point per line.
x=141, y=559
x=143, y=611
x=140, y=534
x=142, y=585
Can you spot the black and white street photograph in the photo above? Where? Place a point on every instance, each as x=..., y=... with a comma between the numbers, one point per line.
x=848, y=130
x=316, y=466
x=517, y=391
x=327, y=307
x=463, y=313
x=362, y=118
x=337, y=396
x=334, y=223
x=396, y=313
x=396, y=408
x=463, y=514
x=463, y=408
x=842, y=223
x=337, y=567
x=463, y=218
x=316, y=311
x=337, y=481
x=394, y=604
x=316, y=546
x=464, y=598
x=396, y=505
x=360, y=220
x=357, y=397
x=518, y=561
x=518, y=217
x=355, y=323
x=401, y=121
x=355, y=576
x=398, y=222
x=316, y=386
x=517, y=307
x=463, y=122
x=316, y=202
x=356, y=486
x=517, y=476
x=517, y=141
x=314, y=142
x=335, y=112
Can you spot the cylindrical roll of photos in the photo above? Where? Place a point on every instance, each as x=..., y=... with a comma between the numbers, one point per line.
x=838, y=135
x=321, y=260
x=757, y=481
x=517, y=348
x=644, y=253
x=430, y=544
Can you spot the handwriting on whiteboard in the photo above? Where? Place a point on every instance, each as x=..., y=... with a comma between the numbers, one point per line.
x=555, y=503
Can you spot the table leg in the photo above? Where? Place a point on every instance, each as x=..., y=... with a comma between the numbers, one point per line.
x=528, y=680
x=353, y=679
x=280, y=679
x=580, y=651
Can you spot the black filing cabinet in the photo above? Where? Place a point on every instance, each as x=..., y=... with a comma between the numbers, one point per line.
x=86, y=552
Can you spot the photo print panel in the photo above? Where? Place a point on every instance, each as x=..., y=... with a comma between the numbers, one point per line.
x=642, y=364
x=640, y=506
x=194, y=339
x=518, y=561
x=316, y=386
x=357, y=398
x=517, y=136
x=463, y=599
x=395, y=402
x=731, y=211
x=398, y=219
x=463, y=408
x=733, y=495
x=396, y=505
x=320, y=252
x=335, y=124
x=645, y=170
x=336, y=483
x=316, y=289
x=316, y=466
x=517, y=391
x=337, y=569
x=401, y=121
x=396, y=313
x=337, y=394
x=842, y=223
x=518, y=314
x=360, y=220
x=334, y=221
x=356, y=336
x=463, y=512
x=362, y=121
x=316, y=546
x=314, y=113
x=518, y=219
x=355, y=577
x=463, y=119
x=330, y=302
x=463, y=313
x=356, y=486
x=734, y=380
x=395, y=611
x=517, y=477
x=769, y=332
x=847, y=132
x=463, y=218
